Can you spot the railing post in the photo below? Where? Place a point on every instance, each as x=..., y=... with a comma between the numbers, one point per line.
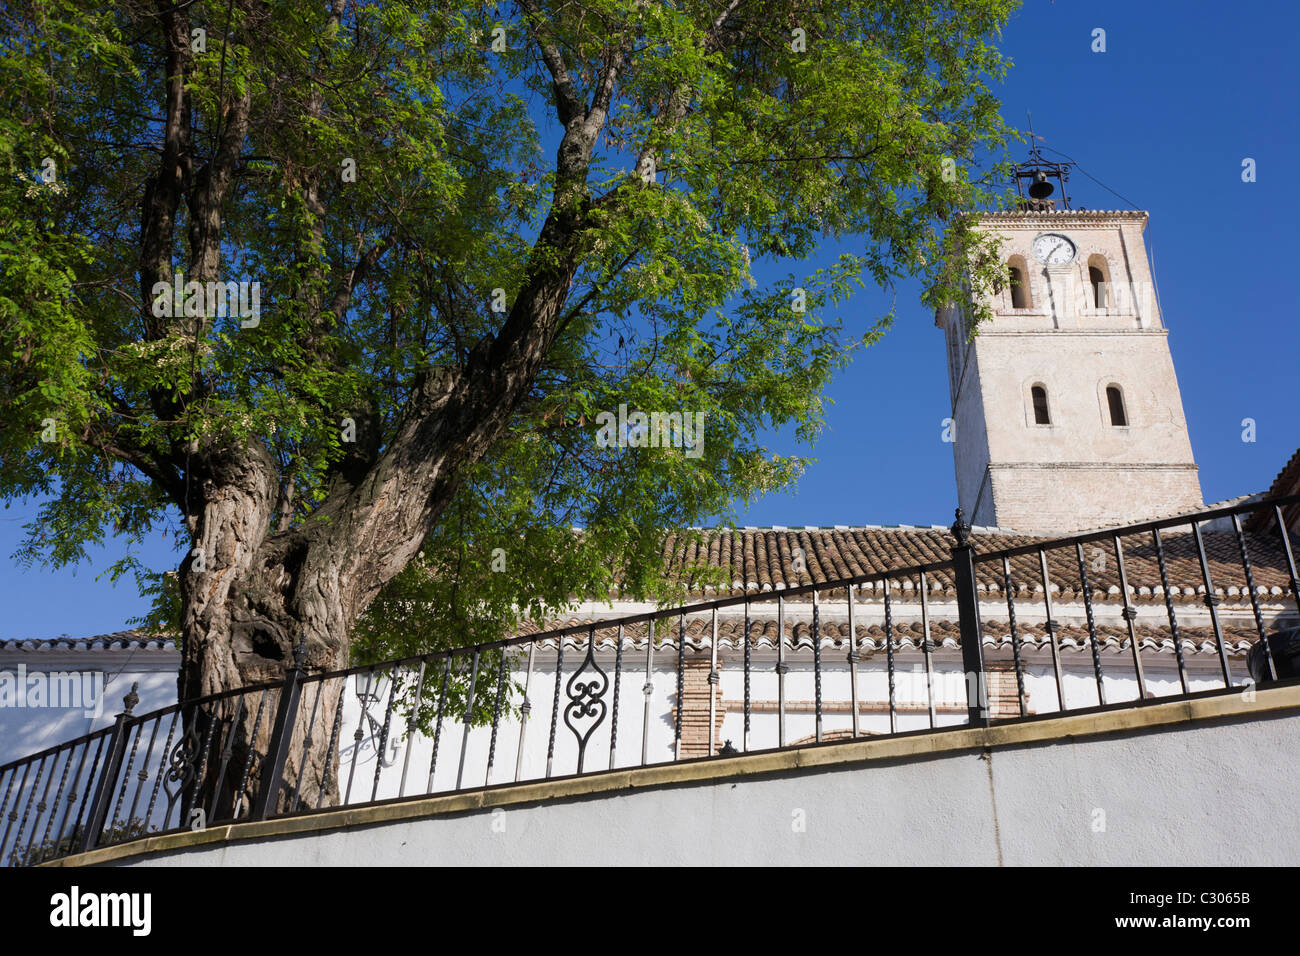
x=107, y=783
x=968, y=613
x=286, y=715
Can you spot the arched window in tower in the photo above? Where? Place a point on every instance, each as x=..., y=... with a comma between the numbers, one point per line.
x=1099, y=279
x=1039, y=396
x=1115, y=401
x=1018, y=282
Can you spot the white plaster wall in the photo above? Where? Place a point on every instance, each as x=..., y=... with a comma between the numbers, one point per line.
x=466, y=757
x=26, y=729
x=1220, y=794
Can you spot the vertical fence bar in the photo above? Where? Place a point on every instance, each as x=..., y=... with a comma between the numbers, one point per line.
x=412, y=725
x=126, y=775
x=281, y=736
x=648, y=691
x=781, y=669
x=1015, y=636
x=4, y=804
x=1212, y=602
x=1130, y=618
x=1254, y=598
x=108, y=779
x=226, y=752
x=381, y=748
x=26, y=808
x=555, y=706
x=437, y=730
x=681, y=688
x=248, y=763
x=496, y=717
x=714, y=679
x=40, y=810
x=968, y=613
x=1092, y=624
x=1051, y=626
x=306, y=744
x=205, y=751
x=329, y=749
x=524, y=710
x=889, y=659
x=618, y=681
x=853, y=663
x=58, y=798
x=90, y=785
x=13, y=814
x=817, y=663
x=1169, y=606
x=358, y=735
x=469, y=718
x=745, y=743
x=926, y=647
x=144, y=772
x=72, y=795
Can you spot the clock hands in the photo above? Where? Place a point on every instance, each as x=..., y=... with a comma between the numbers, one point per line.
x=1054, y=250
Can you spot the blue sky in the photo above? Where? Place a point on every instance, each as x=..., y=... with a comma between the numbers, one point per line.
x=1184, y=92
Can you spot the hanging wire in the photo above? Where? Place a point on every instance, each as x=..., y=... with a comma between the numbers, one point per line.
x=1130, y=202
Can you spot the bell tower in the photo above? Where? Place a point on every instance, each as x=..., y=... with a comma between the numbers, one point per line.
x=1065, y=406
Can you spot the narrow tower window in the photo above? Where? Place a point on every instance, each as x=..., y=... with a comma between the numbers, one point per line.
x=1018, y=280
x=1115, y=399
x=1039, y=395
x=1097, y=278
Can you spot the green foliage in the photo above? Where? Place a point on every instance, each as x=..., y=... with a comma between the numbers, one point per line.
x=761, y=150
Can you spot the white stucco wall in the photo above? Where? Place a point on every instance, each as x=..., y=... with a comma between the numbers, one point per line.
x=36, y=709
x=1214, y=793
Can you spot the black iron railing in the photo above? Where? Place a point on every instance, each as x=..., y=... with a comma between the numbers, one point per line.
x=284, y=748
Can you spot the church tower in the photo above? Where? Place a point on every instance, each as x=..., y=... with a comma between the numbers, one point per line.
x=1066, y=409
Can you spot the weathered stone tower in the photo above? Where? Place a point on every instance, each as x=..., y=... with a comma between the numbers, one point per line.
x=1066, y=409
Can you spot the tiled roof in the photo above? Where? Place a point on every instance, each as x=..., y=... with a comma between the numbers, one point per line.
x=123, y=640
x=1008, y=214
x=1286, y=483
x=943, y=633
x=764, y=560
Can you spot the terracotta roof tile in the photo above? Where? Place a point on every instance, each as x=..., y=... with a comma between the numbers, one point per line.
x=908, y=634
x=763, y=560
x=1286, y=483
x=126, y=640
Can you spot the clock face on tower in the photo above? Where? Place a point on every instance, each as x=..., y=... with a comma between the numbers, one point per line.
x=1053, y=250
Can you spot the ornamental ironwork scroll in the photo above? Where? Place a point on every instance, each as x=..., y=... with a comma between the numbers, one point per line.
x=586, y=708
x=183, y=766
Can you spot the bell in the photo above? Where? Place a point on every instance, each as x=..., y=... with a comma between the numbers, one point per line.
x=1041, y=188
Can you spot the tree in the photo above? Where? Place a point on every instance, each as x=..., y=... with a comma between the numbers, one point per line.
x=339, y=292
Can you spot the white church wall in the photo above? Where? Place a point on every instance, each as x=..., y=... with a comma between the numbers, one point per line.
x=873, y=687
x=38, y=711
x=1168, y=798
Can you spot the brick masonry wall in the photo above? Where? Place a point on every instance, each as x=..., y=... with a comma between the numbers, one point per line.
x=695, y=716
x=1004, y=698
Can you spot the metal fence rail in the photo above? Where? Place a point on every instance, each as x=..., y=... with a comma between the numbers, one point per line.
x=868, y=654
